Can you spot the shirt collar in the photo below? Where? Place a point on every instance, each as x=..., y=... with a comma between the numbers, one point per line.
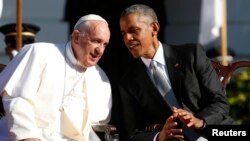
x=71, y=58
x=159, y=57
x=69, y=54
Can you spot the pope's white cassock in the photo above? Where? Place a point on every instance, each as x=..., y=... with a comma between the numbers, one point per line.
x=46, y=96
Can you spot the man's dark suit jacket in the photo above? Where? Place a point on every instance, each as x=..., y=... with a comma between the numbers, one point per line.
x=194, y=82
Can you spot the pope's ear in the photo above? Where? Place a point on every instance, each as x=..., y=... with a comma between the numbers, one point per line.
x=75, y=36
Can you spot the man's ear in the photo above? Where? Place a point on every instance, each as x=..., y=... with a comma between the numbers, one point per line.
x=155, y=27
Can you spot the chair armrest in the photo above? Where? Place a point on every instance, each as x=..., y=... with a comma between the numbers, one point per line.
x=106, y=128
x=109, y=131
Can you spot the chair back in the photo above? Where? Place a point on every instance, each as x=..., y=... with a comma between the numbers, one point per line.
x=225, y=72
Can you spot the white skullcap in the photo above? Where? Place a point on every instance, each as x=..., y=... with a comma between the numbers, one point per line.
x=89, y=17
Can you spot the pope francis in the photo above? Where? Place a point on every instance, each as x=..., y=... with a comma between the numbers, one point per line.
x=56, y=92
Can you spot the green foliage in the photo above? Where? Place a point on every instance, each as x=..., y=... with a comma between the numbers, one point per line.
x=238, y=91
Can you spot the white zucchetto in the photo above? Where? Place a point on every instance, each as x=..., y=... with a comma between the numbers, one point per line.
x=90, y=17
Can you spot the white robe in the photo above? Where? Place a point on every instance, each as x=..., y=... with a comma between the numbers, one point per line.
x=35, y=83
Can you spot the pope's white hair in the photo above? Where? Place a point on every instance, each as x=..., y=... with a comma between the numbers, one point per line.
x=89, y=17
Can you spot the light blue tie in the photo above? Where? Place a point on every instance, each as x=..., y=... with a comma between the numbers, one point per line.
x=163, y=85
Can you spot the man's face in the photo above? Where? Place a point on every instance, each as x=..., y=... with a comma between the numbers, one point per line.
x=137, y=32
x=90, y=46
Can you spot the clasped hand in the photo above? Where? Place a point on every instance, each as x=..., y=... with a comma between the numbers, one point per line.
x=171, y=130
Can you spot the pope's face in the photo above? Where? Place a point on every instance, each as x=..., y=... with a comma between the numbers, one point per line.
x=91, y=44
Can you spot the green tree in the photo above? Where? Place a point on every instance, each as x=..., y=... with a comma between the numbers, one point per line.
x=238, y=91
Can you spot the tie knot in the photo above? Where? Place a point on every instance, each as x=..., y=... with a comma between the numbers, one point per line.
x=153, y=64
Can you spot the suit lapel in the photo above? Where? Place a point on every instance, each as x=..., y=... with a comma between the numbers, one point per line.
x=174, y=70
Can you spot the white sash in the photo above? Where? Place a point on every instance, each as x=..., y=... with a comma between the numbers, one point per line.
x=72, y=123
